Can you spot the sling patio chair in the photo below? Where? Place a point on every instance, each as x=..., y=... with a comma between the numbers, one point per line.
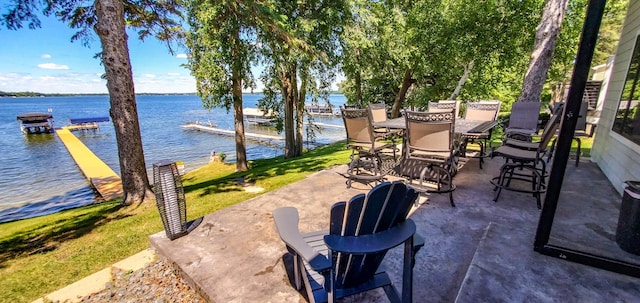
x=378, y=113
x=580, y=132
x=480, y=111
x=345, y=260
x=430, y=149
x=445, y=105
x=523, y=121
x=581, y=129
x=368, y=151
x=523, y=156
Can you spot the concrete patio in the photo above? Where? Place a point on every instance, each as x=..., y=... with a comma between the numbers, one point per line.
x=480, y=251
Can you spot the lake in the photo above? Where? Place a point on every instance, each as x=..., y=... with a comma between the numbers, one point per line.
x=39, y=177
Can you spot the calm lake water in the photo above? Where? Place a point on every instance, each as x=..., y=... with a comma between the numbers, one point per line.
x=39, y=177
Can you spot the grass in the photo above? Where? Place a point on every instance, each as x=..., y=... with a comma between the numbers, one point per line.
x=40, y=255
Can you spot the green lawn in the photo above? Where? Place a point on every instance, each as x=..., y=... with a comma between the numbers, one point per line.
x=40, y=255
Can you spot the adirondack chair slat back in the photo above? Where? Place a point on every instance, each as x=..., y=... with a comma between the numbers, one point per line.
x=383, y=208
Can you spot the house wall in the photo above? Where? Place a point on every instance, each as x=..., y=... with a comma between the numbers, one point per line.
x=616, y=156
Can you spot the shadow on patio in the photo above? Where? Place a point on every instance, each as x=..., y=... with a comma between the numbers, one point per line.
x=480, y=251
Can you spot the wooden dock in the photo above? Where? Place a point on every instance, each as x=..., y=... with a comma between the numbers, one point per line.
x=226, y=132
x=328, y=125
x=101, y=177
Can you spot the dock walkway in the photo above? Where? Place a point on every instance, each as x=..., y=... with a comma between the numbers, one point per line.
x=101, y=177
x=226, y=132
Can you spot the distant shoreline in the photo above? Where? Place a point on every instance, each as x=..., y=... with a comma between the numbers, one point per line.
x=36, y=94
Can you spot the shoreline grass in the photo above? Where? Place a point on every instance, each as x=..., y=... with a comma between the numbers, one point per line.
x=42, y=254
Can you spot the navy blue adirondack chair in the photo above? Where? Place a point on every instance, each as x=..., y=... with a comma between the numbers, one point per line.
x=346, y=259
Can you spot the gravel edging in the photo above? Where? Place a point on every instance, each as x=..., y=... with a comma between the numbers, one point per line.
x=157, y=282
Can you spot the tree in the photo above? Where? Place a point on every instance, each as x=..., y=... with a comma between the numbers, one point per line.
x=224, y=41
x=293, y=71
x=429, y=50
x=108, y=18
x=222, y=46
x=542, y=54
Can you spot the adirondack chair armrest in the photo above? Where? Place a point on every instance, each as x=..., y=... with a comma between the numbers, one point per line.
x=286, y=219
x=367, y=244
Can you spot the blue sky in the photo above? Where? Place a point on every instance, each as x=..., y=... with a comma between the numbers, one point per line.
x=45, y=60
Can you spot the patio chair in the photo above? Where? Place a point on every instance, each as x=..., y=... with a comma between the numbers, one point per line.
x=430, y=148
x=523, y=121
x=581, y=129
x=345, y=260
x=445, y=105
x=367, y=150
x=480, y=111
x=378, y=113
x=523, y=155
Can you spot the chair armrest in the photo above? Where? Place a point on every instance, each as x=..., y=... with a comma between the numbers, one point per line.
x=286, y=219
x=367, y=244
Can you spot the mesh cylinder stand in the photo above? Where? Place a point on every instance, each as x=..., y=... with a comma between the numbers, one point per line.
x=170, y=198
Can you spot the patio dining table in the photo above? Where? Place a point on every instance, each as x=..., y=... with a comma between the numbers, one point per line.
x=462, y=126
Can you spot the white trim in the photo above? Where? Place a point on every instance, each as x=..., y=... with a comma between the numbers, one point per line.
x=624, y=141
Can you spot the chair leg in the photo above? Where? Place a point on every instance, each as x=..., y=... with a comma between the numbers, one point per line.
x=578, y=151
x=407, y=275
x=481, y=153
x=297, y=269
x=538, y=187
x=551, y=149
x=500, y=183
x=451, y=199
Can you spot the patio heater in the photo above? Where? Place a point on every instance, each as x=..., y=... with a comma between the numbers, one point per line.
x=170, y=198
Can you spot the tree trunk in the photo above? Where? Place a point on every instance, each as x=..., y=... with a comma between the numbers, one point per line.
x=238, y=116
x=300, y=99
x=289, y=138
x=358, y=81
x=546, y=37
x=462, y=81
x=110, y=27
x=358, y=88
x=406, y=84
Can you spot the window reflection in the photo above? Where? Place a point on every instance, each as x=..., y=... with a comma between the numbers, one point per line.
x=627, y=121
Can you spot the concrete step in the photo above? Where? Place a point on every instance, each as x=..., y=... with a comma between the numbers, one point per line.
x=506, y=269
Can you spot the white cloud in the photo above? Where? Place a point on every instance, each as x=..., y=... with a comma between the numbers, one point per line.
x=182, y=56
x=149, y=75
x=52, y=83
x=45, y=56
x=173, y=74
x=63, y=82
x=52, y=66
